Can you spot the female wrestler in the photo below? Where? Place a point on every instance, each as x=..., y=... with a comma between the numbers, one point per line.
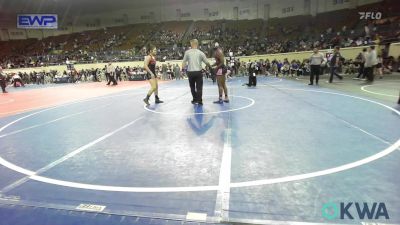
x=150, y=67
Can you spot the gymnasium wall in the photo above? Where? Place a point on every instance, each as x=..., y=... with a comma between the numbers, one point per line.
x=16, y=34
x=394, y=50
x=224, y=9
x=4, y=35
x=348, y=53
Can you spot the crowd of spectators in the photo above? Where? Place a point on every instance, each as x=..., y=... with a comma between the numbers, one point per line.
x=303, y=41
x=242, y=38
x=167, y=71
x=279, y=68
x=70, y=75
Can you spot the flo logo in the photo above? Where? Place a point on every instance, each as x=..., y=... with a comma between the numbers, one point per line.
x=350, y=210
x=370, y=15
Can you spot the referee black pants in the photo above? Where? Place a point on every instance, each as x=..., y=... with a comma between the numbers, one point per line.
x=315, y=71
x=369, y=72
x=196, y=85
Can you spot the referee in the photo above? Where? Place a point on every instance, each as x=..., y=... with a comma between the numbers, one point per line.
x=193, y=58
x=316, y=60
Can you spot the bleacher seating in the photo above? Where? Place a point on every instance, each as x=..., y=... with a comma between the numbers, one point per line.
x=297, y=33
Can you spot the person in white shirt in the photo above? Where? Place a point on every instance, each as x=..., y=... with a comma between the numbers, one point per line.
x=316, y=60
x=17, y=79
x=110, y=73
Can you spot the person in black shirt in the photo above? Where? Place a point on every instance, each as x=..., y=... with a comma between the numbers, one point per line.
x=118, y=72
x=3, y=80
x=361, y=61
x=334, y=64
x=94, y=74
x=398, y=101
x=252, y=75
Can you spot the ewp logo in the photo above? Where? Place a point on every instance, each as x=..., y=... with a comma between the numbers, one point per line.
x=342, y=211
x=370, y=15
x=37, y=21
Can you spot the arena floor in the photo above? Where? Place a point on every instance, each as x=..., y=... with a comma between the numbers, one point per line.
x=274, y=155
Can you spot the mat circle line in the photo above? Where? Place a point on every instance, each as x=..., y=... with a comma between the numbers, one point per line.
x=364, y=88
x=32, y=175
x=252, y=101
